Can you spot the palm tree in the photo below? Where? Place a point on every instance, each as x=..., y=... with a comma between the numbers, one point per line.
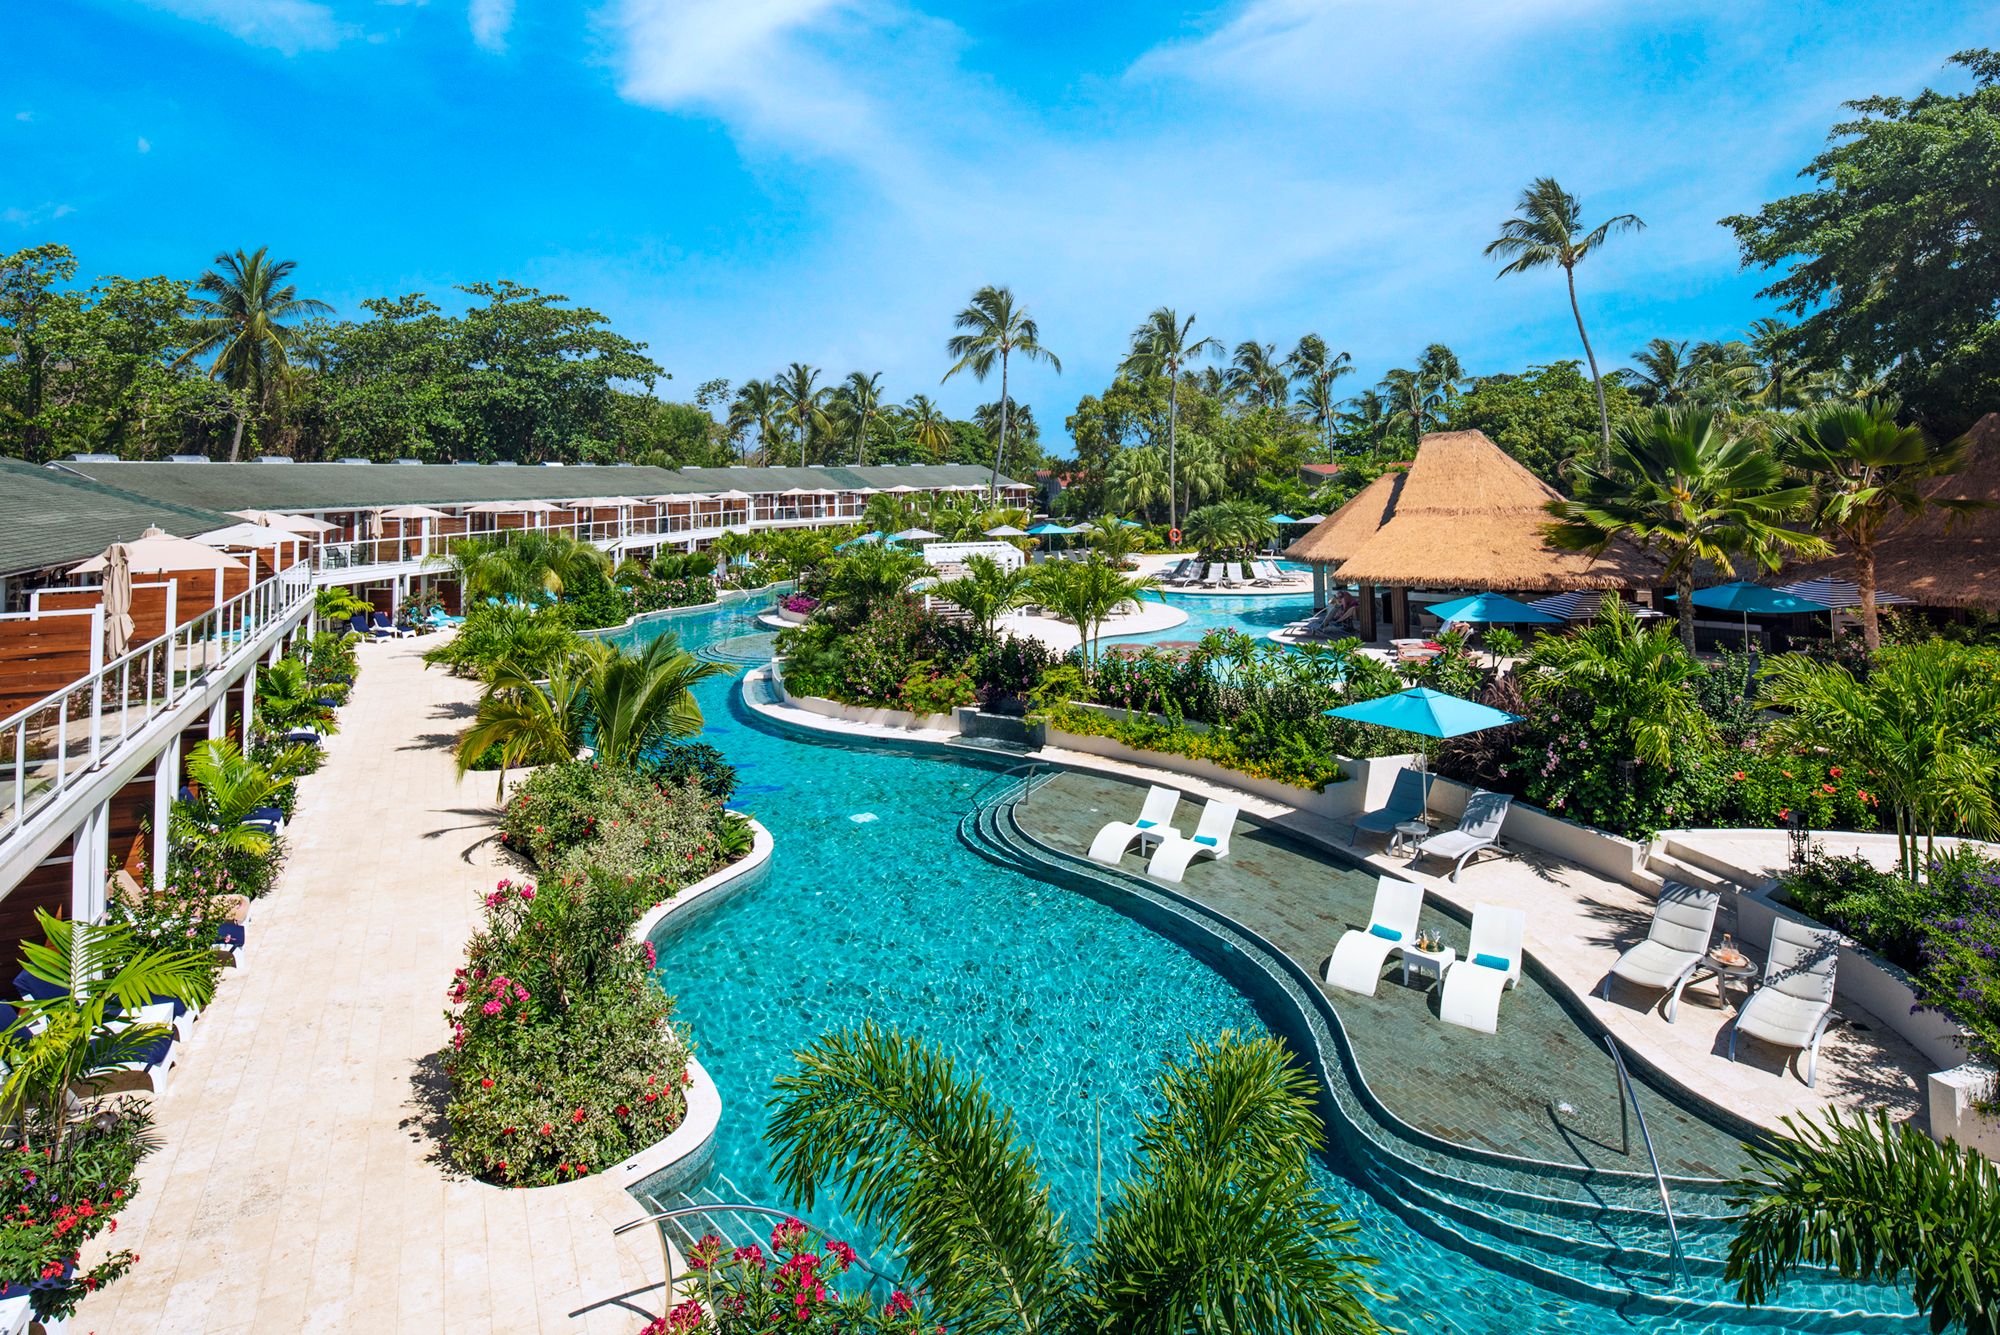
x=238, y=313
x=1873, y=1201
x=1678, y=486
x=1315, y=367
x=860, y=399
x=1545, y=232
x=1918, y=723
x=528, y=564
x=985, y=592
x=335, y=603
x=993, y=329
x=1204, y=473
x=225, y=788
x=930, y=429
x=58, y=1044
x=1087, y=594
x=1114, y=542
x=756, y=408
x=863, y=578
x=1220, y=1226
x=1137, y=479
x=1643, y=678
x=529, y=715
x=1781, y=379
x=1865, y=470
x=1256, y=373
x=1369, y=415
x=638, y=700
x=1666, y=376
x=287, y=698
x=802, y=401
x=1162, y=347
x=1413, y=397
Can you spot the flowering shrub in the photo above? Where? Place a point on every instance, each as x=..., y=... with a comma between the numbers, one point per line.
x=1877, y=908
x=578, y=815
x=1768, y=789
x=676, y=762
x=800, y=603
x=1303, y=766
x=563, y=1058
x=53, y=1202
x=1960, y=973
x=928, y=691
x=742, y=1291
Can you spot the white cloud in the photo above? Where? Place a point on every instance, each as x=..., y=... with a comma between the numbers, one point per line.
x=286, y=26
x=145, y=144
x=491, y=20
x=31, y=217
x=24, y=115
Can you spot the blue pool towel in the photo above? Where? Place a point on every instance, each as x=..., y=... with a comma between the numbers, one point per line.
x=1208, y=839
x=1386, y=933
x=1146, y=824
x=1493, y=962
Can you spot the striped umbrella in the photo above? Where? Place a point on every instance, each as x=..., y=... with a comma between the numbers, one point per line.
x=1838, y=593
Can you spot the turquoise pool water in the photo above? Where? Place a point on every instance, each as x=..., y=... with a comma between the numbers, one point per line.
x=1255, y=616
x=872, y=908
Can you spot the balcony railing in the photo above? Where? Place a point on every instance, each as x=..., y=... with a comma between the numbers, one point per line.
x=46, y=747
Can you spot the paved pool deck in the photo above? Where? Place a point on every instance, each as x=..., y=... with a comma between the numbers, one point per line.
x=1578, y=923
x=298, y=1185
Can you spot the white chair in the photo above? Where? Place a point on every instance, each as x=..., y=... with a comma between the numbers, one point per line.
x=1683, y=921
x=1232, y=573
x=1405, y=804
x=1358, y=957
x=1478, y=828
x=1155, y=821
x=1472, y=987
x=1792, y=1007
x=1210, y=840
x=1213, y=579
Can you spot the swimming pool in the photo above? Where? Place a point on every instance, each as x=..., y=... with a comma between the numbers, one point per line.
x=1254, y=615
x=873, y=908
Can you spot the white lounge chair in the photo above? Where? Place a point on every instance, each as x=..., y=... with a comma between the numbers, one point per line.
x=1796, y=1000
x=1406, y=803
x=1213, y=579
x=1683, y=921
x=1155, y=821
x=1358, y=957
x=1232, y=573
x=1472, y=987
x=1210, y=840
x=1478, y=828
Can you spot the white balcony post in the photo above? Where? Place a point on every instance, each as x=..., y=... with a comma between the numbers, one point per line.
x=166, y=787
x=249, y=702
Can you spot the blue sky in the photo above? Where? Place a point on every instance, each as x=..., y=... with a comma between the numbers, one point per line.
x=742, y=183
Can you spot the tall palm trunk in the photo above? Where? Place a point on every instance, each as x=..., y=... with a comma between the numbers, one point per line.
x=1173, y=474
x=236, y=438
x=1684, y=606
x=1000, y=450
x=1596, y=381
x=1864, y=577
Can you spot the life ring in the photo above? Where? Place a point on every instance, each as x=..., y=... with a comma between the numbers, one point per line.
x=1173, y=535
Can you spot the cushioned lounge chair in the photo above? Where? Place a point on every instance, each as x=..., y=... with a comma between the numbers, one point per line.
x=380, y=626
x=1478, y=828
x=1406, y=803
x=1358, y=957
x=1683, y=921
x=1210, y=840
x=1792, y=1007
x=1156, y=816
x=1472, y=987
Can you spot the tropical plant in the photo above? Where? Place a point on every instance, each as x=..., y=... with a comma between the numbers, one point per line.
x=1162, y=347
x=525, y=718
x=1866, y=469
x=1666, y=376
x=335, y=603
x=76, y=1038
x=223, y=789
x=993, y=329
x=239, y=311
x=756, y=408
x=1873, y=1202
x=1258, y=374
x=862, y=578
x=1114, y=541
x=287, y=698
x=860, y=401
x=930, y=429
x=1087, y=594
x=1545, y=231
x=1220, y=1225
x=985, y=592
x=1644, y=678
x=1920, y=723
x=802, y=401
x=528, y=564
x=1315, y=367
x=1677, y=485
x=641, y=700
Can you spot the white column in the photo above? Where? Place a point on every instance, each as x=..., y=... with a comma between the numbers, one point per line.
x=249, y=704
x=89, y=856
x=218, y=713
x=166, y=787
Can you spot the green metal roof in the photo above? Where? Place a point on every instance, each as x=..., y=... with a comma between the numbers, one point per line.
x=49, y=517
x=267, y=486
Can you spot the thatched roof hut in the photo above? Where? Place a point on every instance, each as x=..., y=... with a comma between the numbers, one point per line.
x=1466, y=515
x=1938, y=559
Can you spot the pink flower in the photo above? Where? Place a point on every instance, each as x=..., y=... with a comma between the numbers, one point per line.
x=899, y=1304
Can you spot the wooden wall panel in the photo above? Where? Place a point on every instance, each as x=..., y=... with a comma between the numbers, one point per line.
x=42, y=654
x=46, y=887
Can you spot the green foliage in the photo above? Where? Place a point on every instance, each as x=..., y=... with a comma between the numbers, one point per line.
x=207, y=828
x=986, y=591
x=1871, y=1201
x=1959, y=974
x=674, y=763
x=1879, y=909
x=1086, y=594
x=1545, y=417
x=878, y=660
x=1285, y=758
x=1889, y=258
x=578, y=815
x=491, y=636
x=52, y=1204
x=1219, y=1226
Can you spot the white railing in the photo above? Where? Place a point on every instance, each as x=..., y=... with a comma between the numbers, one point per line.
x=47, y=746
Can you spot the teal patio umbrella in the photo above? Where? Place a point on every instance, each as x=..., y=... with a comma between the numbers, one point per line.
x=876, y=536
x=1747, y=598
x=1492, y=607
x=1427, y=713
x=1281, y=519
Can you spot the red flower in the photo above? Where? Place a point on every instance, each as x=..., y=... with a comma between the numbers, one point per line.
x=1834, y=772
x=576, y=1117
x=548, y=1130
x=486, y=1082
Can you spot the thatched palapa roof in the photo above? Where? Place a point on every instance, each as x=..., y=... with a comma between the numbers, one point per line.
x=1465, y=516
x=1938, y=559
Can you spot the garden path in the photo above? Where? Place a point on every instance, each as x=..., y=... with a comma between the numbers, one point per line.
x=297, y=1186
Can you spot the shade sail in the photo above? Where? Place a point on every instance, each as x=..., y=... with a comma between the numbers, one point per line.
x=413, y=512
x=1492, y=607
x=156, y=551
x=1426, y=712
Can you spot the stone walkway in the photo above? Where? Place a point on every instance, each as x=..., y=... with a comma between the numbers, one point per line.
x=297, y=1185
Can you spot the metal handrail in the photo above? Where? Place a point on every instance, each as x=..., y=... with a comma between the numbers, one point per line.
x=723, y=1207
x=1631, y=1098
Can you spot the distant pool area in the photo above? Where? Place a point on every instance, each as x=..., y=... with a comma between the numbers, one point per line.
x=1253, y=615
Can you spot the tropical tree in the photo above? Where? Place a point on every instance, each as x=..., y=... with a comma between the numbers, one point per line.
x=1315, y=368
x=1163, y=346
x=77, y=1038
x=224, y=788
x=1780, y=377
x=1115, y=542
x=1677, y=486
x=930, y=429
x=986, y=591
x=1220, y=1226
x=1257, y=373
x=1230, y=526
x=802, y=401
x=1919, y=723
x=1866, y=469
x=862, y=578
x=1665, y=376
x=527, y=564
x=335, y=603
x=1087, y=594
x=287, y=698
x=756, y=408
x=529, y=715
x=1411, y=396
x=1138, y=479
x=238, y=317
x=639, y=699
x=1545, y=231
x=1643, y=679
x=1369, y=416
x=1873, y=1202
x=860, y=400
x=993, y=330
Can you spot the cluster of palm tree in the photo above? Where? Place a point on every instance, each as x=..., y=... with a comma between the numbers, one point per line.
x=1229, y=527
x=525, y=564
x=793, y=417
x=1084, y=593
x=1763, y=371
x=243, y=317
x=954, y=516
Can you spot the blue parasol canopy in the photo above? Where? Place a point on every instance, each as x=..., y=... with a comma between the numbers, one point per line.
x=1426, y=712
x=1749, y=598
x=1045, y=529
x=1492, y=607
x=1281, y=519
